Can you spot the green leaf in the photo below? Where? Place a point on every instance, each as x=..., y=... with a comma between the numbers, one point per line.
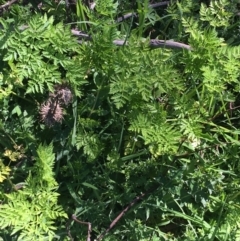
x=89, y=185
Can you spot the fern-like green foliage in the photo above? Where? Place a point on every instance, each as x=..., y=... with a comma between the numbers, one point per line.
x=140, y=119
x=161, y=137
x=44, y=166
x=90, y=143
x=217, y=14
x=38, y=52
x=106, y=8
x=33, y=210
x=154, y=73
x=4, y=171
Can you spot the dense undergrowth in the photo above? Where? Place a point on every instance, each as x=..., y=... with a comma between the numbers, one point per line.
x=97, y=127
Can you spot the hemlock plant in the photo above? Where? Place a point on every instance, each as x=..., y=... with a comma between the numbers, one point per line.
x=119, y=120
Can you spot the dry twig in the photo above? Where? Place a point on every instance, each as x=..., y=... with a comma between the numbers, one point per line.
x=85, y=223
x=8, y=4
x=154, y=43
x=129, y=15
x=68, y=230
x=137, y=199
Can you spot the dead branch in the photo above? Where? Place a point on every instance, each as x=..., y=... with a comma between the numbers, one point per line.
x=85, y=223
x=68, y=230
x=80, y=34
x=154, y=43
x=113, y=223
x=8, y=4
x=156, y=5
x=129, y=15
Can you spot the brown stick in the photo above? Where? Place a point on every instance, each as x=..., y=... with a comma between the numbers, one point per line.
x=129, y=15
x=156, y=5
x=113, y=223
x=80, y=34
x=154, y=43
x=7, y=4
x=157, y=43
x=68, y=230
x=85, y=223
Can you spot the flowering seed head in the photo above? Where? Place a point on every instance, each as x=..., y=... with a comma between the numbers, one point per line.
x=63, y=93
x=51, y=113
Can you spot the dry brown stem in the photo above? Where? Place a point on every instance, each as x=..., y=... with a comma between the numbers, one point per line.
x=8, y=4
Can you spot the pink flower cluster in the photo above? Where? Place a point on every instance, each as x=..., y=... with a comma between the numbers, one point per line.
x=51, y=111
